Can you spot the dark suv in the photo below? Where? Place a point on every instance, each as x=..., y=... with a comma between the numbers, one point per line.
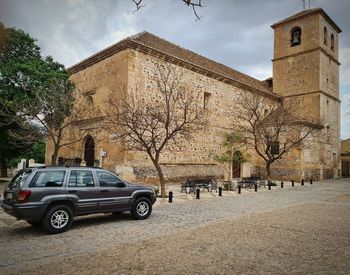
x=52, y=196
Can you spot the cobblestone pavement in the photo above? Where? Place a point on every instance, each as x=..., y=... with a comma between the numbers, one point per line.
x=22, y=245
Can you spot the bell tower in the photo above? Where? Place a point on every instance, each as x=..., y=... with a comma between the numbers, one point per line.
x=306, y=70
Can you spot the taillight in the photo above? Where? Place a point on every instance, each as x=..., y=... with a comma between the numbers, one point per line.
x=23, y=195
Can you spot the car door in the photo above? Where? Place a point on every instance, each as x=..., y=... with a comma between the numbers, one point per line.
x=81, y=184
x=115, y=195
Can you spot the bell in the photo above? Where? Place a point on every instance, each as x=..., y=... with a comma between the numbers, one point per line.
x=296, y=38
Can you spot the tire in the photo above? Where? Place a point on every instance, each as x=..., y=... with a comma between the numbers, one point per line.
x=35, y=224
x=141, y=209
x=58, y=219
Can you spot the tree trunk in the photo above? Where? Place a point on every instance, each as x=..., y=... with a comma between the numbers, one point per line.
x=268, y=171
x=54, y=157
x=3, y=167
x=161, y=179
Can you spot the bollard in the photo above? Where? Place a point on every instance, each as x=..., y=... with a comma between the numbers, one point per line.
x=239, y=189
x=256, y=187
x=269, y=184
x=302, y=182
x=292, y=183
x=311, y=181
x=281, y=184
x=220, y=191
x=198, y=193
x=170, y=197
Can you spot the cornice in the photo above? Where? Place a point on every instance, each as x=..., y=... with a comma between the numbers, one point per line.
x=308, y=51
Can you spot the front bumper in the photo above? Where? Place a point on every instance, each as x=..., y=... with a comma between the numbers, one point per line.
x=25, y=211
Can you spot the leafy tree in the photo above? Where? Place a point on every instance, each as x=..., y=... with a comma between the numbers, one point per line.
x=36, y=152
x=231, y=154
x=36, y=95
x=19, y=57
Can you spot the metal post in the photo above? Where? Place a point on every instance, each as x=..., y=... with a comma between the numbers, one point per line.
x=220, y=191
x=198, y=193
x=239, y=189
x=302, y=182
x=281, y=184
x=292, y=183
x=311, y=181
x=170, y=197
x=256, y=187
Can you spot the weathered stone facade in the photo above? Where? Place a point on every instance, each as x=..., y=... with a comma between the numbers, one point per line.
x=309, y=71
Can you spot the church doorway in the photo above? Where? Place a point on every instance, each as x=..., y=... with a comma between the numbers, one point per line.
x=236, y=164
x=236, y=170
x=89, y=151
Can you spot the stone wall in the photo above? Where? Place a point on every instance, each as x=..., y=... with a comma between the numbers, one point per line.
x=177, y=173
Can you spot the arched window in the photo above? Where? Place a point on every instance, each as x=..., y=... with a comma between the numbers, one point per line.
x=89, y=101
x=325, y=35
x=332, y=42
x=295, y=37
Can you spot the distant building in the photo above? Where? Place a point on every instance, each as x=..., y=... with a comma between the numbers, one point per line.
x=305, y=66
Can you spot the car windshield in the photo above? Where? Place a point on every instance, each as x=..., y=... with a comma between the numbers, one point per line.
x=19, y=179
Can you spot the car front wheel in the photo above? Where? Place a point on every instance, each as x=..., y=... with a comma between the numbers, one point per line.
x=58, y=219
x=141, y=209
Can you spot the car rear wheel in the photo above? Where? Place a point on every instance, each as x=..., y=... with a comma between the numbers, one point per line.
x=141, y=209
x=58, y=219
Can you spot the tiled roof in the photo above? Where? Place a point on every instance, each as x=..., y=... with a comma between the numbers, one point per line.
x=178, y=55
x=308, y=12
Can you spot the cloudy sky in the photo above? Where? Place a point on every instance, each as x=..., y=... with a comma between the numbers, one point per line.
x=236, y=33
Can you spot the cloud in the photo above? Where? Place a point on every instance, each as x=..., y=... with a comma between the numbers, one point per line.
x=345, y=66
x=235, y=33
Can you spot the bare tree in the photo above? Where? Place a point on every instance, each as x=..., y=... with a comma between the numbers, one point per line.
x=271, y=128
x=191, y=3
x=152, y=127
x=56, y=112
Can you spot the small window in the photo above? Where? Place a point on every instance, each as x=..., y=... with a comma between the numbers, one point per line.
x=295, y=39
x=328, y=134
x=325, y=36
x=48, y=179
x=206, y=100
x=275, y=147
x=81, y=178
x=332, y=42
x=89, y=101
x=109, y=180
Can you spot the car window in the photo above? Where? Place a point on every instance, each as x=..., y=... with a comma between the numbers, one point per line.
x=19, y=179
x=48, y=179
x=109, y=180
x=81, y=178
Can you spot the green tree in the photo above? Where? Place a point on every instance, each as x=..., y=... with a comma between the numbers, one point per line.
x=25, y=76
x=231, y=154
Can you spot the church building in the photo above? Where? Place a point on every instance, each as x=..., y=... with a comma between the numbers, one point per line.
x=305, y=67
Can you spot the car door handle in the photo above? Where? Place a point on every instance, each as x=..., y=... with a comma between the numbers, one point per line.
x=72, y=191
x=104, y=190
